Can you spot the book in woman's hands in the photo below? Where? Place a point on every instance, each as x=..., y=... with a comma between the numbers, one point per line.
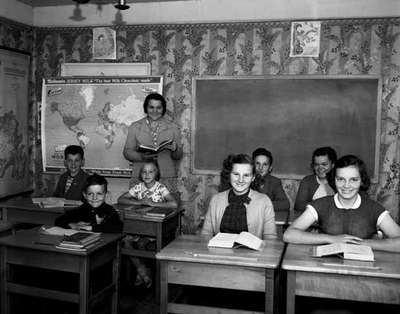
x=153, y=149
x=348, y=251
x=230, y=240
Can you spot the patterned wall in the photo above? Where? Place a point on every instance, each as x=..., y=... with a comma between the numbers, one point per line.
x=179, y=52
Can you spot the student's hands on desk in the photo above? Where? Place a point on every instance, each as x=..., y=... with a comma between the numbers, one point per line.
x=344, y=238
x=148, y=202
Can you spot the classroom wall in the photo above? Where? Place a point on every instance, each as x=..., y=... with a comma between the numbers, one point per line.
x=16, y=11
x=181, y=51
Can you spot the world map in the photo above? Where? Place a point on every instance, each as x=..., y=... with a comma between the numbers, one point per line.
x=14, y=156
x=95, y=114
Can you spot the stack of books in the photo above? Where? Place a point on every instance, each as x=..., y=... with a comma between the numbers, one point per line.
x=80, y=241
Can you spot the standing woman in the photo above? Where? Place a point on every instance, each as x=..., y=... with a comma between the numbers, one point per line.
x=347, y=217
x=316, y=185
x=151, y=131
x=240, y=208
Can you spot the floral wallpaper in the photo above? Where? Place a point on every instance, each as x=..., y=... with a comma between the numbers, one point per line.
x=179, y=52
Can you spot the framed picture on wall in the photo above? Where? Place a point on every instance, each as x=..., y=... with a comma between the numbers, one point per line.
x=104, y=43
x=15, y=177
x=305, y=39
x=106, y=69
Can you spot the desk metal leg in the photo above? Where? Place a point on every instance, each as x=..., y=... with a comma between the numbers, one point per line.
x=291, y=292
x=84, y=286
x=163, y=304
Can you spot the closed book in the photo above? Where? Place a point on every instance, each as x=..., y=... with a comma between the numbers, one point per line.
x=159, y=212
x=77, y=248
x=81, y=237
x=79, y=245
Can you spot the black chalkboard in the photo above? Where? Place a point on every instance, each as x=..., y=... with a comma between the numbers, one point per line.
x=289, y=115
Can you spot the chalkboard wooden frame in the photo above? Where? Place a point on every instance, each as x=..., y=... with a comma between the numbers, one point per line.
x=213, y=82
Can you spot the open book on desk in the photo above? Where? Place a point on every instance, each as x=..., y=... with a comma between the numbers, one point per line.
x=57, y=231
x=48, y=202
x=153, y=149
x=231, y=240
x=347, y=251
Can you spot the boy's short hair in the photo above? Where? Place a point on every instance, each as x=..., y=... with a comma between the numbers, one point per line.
x=96, y=179
x=73, y=150
x=261, y=151
x=324, y=151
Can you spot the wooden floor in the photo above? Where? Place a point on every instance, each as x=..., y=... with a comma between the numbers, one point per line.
x=137, y=300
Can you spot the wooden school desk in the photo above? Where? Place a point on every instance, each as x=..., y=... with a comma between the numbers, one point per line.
x=25, y=211
x=22, y=249
x=162, y=229
x=188, y=261
x=332, y=277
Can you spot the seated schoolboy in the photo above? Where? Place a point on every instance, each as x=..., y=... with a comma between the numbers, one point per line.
x=149, y=192
x=71, y=183
x=266, y=183
x=239, y=208
x=95, y=214
x=316, y=185
x=347, y=216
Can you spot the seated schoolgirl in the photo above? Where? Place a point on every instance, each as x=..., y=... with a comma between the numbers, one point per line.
x=316, y=185
x=149, y=192
x=347, y=217
x=239, y=208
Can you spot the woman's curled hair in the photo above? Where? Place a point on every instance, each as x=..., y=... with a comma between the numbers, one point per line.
x=227, y=166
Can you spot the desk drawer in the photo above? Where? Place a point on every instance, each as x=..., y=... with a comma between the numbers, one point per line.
x=217, y=276
x=348, y=287
x=141, y=227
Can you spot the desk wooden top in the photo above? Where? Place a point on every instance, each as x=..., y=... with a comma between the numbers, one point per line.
x=298, y=257
x=134, y=212
x=33, y=239
x=193, y=248
x=27, y=204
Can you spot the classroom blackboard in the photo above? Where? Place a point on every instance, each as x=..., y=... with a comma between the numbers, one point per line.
x=289, y=115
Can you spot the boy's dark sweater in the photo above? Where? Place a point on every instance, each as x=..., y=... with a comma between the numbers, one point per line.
x=86, y=213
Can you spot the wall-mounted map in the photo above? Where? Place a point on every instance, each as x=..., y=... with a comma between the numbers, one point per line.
x=94, y=112
x=14, y=156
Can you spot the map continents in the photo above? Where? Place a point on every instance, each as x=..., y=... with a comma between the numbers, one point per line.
x=14, y=156
x=94, y=113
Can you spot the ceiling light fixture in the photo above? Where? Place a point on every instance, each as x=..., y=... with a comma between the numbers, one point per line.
x=121, y=5
x=77, y=14
x=81, y=1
